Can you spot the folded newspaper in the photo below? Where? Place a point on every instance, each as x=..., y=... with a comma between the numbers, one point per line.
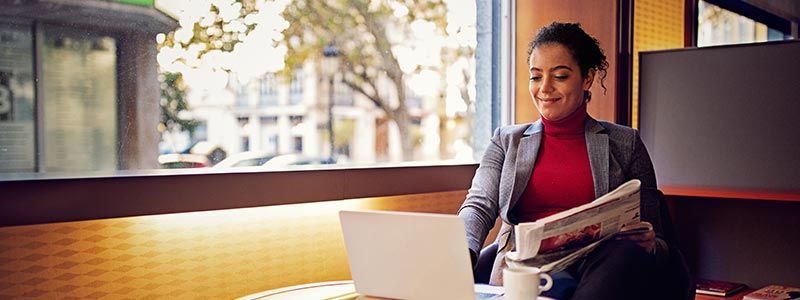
x=555, y=242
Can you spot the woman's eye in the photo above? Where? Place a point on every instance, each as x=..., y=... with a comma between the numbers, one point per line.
x=561, y=77
x=536, y=78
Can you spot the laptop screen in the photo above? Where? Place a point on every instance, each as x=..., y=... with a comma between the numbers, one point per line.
x=404, y=255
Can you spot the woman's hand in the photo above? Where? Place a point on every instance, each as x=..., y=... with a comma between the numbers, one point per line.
x=640, y=233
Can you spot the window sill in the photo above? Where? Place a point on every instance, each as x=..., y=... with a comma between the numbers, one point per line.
x=49, y=200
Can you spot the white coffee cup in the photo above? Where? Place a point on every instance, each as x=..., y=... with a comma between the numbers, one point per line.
x=523, y=283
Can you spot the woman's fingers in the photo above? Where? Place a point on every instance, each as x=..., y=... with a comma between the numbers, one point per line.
x=639, y=236
x=641, y=233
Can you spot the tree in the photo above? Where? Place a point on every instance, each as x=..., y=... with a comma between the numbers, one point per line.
x=224, y=37
x=368, y=34
x=240, y=36
x=173, y=103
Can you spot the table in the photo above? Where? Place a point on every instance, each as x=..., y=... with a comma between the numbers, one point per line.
x=329, y=290
x=319, y=290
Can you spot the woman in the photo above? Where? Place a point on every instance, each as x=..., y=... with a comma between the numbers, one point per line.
x=565, y=159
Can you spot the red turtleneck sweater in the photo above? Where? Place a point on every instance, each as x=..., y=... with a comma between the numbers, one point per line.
x=562, y=176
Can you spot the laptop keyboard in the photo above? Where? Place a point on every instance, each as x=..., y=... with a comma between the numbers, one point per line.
x=486, y=296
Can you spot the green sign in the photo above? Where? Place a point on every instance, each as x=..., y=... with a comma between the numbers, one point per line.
x=137, y=2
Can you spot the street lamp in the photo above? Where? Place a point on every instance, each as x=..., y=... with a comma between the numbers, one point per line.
x=330, y=65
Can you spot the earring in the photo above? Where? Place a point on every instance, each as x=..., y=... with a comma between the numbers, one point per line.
x=587, y=95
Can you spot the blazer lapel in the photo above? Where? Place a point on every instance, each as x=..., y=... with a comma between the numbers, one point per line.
x=526, y=157
x=597, y=145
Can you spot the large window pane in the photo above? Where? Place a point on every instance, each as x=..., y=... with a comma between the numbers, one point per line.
x=383, y=81
x=16, y=99
x=309, y=82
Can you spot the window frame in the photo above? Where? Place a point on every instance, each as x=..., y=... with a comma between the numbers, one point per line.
x=49, y=200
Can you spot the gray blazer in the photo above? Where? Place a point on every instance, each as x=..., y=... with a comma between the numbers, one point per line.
x=616, y=155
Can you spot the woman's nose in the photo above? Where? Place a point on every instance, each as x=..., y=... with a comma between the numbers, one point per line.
x=547, y=85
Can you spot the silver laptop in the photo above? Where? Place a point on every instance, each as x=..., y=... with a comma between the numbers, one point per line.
x=416, y=256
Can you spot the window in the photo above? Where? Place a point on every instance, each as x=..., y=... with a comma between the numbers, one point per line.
x=342, y=97
x=232, y=77
x=242, y=99
x=298, y=144
x=79, y=100
x=343, y=94
x=159, y=116
x=17, y=108
x=296, y=87
x=736, y=22
x=245, y=143
x=189, y=112
x=269, y=90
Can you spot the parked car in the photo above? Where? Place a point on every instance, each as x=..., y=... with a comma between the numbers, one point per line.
x=295, y=159
x=270, y=160
x=212, y=151
x=183, y=160
x=201, y=154
x=245, y=159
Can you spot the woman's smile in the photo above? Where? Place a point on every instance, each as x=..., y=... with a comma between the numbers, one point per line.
x=548, y=100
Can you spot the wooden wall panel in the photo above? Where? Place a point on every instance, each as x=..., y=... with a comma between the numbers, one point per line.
x=220, y=254
x=598, y=18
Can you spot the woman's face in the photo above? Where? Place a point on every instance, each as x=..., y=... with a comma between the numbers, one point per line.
x=556, y=84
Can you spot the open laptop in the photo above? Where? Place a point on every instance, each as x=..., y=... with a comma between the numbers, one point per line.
x=419, y=256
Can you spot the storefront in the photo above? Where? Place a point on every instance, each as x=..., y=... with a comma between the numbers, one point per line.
x=79, y=87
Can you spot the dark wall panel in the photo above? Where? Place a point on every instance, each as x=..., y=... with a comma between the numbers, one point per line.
x=755, y=242
x=724, y=118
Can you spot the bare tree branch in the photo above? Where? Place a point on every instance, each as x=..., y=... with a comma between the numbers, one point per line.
x=464, y=90
x=375, y=97
x=378, y=32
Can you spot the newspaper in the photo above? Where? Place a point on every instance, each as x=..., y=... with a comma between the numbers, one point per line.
x=555, y=242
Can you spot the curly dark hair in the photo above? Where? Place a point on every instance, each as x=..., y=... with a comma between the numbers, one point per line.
x=584, y=48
